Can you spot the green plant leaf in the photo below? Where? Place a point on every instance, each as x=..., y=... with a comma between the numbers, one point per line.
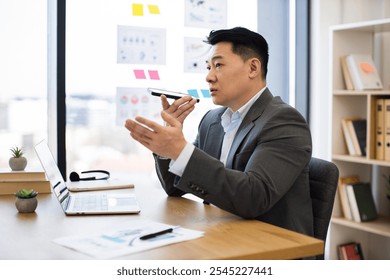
x=23, y=193
x=17, y=152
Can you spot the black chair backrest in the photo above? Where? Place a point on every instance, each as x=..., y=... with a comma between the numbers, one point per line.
x=324, y=176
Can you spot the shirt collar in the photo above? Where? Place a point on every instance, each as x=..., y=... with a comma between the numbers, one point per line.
x=228, y=115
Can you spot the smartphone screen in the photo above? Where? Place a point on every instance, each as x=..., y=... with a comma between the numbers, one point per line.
x=168, y=93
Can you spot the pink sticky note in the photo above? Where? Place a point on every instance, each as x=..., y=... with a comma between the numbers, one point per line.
x=139, y=74
x=153, y=74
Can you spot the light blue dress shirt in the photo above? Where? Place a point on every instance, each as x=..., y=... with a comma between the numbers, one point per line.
x=230, y=122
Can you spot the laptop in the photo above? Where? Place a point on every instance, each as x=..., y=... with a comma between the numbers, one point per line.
x=83, y=203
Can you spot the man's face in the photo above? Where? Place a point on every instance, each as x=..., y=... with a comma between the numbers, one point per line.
x=228, y=77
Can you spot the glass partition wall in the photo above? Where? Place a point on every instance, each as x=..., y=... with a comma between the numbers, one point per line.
x=72, y=71
x=115, y=50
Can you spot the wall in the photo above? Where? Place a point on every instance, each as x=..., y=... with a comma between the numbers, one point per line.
x=325, y=13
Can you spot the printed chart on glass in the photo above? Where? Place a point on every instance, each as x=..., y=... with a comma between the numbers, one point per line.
x=207, y=13
x=132, y=102
x=140, y=45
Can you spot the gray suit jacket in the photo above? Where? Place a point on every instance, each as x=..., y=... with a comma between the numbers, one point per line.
x=266, y=174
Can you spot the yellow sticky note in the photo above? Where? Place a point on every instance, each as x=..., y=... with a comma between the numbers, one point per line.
x=153, y=9
x=138, y=10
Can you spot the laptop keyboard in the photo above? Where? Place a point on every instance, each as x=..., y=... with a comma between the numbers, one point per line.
x=98, y=202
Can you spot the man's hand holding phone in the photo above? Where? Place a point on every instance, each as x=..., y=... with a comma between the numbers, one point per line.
x=169, y=94
x=166, y=141
x=183, y=105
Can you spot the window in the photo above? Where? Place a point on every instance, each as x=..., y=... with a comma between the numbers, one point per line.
x=23, y=77
x=92, y=77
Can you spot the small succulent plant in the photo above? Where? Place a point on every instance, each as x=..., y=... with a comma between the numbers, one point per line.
x=26, y=193
x=17, y=152
x=17, y=162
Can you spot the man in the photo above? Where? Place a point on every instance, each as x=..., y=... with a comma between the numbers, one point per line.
x=251, y=155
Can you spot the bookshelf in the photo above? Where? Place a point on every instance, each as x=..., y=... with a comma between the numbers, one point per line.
x=372, y=38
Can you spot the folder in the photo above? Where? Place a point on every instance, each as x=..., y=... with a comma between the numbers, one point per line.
x=379, y=129
x=387, y=129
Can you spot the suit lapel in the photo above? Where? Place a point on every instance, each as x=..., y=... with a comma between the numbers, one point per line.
x=213, y=143
x=248, y=123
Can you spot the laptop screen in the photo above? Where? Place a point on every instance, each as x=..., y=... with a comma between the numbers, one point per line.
x=52, y=172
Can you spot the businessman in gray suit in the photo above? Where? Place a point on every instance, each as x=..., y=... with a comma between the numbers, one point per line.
x=251, y=155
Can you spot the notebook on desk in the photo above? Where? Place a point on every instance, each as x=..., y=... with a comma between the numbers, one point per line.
x=83, y=203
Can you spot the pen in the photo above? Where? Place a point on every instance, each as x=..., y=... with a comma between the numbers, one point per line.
x=155, y=234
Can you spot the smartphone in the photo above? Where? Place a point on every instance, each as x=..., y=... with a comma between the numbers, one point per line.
x=168, y=93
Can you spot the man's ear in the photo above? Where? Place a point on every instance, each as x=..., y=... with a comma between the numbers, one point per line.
x=255, y=67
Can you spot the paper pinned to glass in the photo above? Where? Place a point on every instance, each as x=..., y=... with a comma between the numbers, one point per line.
x=126, y=240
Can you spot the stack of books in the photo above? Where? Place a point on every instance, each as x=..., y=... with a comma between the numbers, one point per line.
x=355, y=135
x=355, y=131
x=356, y=199
x=12, y=181
x=360, y=72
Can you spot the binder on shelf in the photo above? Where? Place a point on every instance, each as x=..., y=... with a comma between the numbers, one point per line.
x=342, y=190
x=380, y=129
x=387, y=129
x=361, y=202
x=364, y=74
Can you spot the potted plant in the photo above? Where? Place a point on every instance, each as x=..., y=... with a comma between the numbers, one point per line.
x=26, y=201
x=17, y=162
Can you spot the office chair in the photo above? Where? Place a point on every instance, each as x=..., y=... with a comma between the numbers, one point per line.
x=323, y=176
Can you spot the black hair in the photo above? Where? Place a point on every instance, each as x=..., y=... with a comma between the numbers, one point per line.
x=245, y=43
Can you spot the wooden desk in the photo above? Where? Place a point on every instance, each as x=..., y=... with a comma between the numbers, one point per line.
x=29, y=236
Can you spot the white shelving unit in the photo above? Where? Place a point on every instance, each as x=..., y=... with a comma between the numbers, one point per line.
x=373, y=38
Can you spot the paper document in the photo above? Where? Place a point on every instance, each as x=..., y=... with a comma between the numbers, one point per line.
x=136, y=236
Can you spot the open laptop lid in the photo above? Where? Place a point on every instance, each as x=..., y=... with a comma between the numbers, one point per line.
x=117, y=203
x=53, y=173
